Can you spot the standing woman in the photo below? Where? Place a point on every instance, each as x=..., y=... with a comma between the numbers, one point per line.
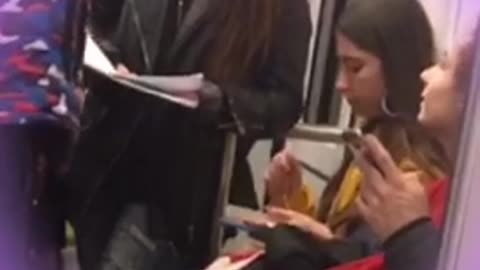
x=136, y=150
x=40, y=52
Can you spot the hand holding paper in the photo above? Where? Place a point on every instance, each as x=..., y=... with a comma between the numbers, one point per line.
x=172, y=84
x=182, y=89
x=95, y=59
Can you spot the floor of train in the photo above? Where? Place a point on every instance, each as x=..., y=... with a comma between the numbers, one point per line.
x=71, y=263
x=259, y=159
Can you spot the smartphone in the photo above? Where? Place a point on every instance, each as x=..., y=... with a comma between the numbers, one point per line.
x=353, y=138
x=234, y=223
x=258, y=232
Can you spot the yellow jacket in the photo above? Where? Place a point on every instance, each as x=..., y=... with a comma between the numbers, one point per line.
x=342, y=208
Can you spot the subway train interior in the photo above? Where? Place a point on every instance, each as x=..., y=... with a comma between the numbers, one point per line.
x=323, y=168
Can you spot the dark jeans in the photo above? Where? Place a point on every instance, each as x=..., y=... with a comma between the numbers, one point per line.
x=30, y=217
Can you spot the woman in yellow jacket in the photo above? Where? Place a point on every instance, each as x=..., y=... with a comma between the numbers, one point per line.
x=292, y=202
x=379, y=75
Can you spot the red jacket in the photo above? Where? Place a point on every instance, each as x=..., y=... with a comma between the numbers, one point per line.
x=437, y=193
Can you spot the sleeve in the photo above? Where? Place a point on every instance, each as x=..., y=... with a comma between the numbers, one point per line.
x=416, y=247
x=289, y=248
x=274, y=104
x=303, y=201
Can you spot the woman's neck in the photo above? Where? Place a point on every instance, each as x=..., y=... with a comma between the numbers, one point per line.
x=449, y=140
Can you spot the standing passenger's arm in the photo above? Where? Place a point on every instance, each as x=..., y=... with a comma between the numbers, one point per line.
x=274, y=103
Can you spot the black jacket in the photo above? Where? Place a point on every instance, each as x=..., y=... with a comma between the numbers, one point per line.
x=134, y=147
x=416, y=247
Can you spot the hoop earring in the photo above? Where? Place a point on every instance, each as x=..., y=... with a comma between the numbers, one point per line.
x=385, y=108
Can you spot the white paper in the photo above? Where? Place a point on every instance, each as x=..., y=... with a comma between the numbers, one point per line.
x=178, y=89
x=173, y=84
x=191, y=100
x=95, y=58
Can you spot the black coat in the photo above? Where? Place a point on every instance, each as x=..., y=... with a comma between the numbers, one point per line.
x=134, y=147
x=415, y=247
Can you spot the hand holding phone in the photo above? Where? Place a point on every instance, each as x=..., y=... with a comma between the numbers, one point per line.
x=355, y=142
x=353, y=138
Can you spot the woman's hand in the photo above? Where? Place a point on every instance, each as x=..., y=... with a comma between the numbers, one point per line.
x=122, y=70
x=235, y=262
x=300, y=221
x=389, y=198
x=283, y=178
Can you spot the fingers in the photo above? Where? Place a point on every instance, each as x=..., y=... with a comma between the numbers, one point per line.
x=381, y=157
x=292, y=167
x=123, y=70
x=288, y=217
x=363, y=208
x=278, y=163
x=264, y=222
x=280, y=215
x=283, y=175
x=290, y=162
x=374, y=184
x=273, y=169
x=285, y=161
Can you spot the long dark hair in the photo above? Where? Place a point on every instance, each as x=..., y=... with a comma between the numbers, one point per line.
x=244, y=38
x=405, y=139
x=399, y=33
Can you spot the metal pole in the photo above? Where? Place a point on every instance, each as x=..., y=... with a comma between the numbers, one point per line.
x=223, y=192
x=317, y=133
x=324, y=38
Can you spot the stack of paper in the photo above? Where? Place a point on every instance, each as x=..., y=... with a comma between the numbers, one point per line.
x=182, y=90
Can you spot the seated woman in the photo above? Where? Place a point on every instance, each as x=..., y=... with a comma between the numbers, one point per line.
x=369, y=74
x=379, y=77
x=343, y=236
x=410, y=236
